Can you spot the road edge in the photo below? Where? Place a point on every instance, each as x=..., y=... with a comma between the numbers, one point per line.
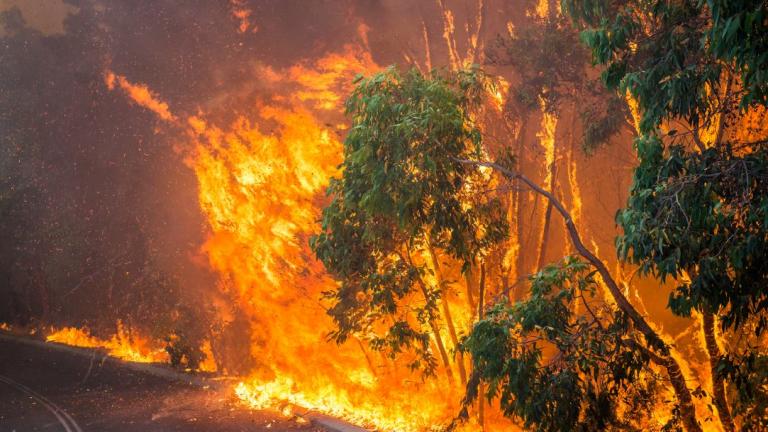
x=160, y=371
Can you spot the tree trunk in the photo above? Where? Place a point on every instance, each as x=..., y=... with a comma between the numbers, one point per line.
x=368, y=360
x=435, y=329
x=439, y=342
x=718, y=383
x=520, y=216
x=447, y=311
x=469, y=279
x=547, y=218
x=45, y=297
x=663, y=357
x=480, y=311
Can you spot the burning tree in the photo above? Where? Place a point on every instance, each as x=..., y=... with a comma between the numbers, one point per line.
x=697, y=209
x=405, y=205
x=416, y=186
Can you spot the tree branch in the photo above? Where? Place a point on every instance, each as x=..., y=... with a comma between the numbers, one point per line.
x=687, y=409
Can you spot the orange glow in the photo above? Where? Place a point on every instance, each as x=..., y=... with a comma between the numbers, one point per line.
x=140, y=94
x=500, y=93
x=243, y=16
x=546, y=136
x=261, y=139
x=124, y=344
x=209, y=363
x=261, y=190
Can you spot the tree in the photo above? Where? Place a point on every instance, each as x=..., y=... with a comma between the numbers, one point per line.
x=412, y=150
x=552, y=71
x=551, y=79
x=557, y=369
x=696, y=211
x=403, y=206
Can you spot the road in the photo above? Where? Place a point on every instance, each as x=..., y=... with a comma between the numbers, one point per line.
x=47, y=389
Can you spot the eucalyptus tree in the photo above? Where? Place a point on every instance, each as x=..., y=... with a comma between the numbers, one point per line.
x=552, y=72
x=402, y=204
x=697, y=208
x=551, y=76
x=696, y=213
x=412, y=177
x=563, y=359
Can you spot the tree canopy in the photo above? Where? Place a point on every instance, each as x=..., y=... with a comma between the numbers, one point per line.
x=565, y=358
x=404, y=200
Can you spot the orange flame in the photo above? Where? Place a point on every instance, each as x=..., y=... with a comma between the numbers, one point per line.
x=140, y=94
x=261, y=181
x=261, y=190
x=124, y=344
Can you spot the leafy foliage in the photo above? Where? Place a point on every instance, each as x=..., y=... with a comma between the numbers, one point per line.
x=553, y=69
x=670, y=56
x=697, y=216
x=547, y=58
x=404, y=190
x=703, y=214
x=557, y=369
x=749, y=374
x=739, y=35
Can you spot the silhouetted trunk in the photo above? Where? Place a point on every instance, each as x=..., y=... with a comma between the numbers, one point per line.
x=480, y=312
x=447, y=311
x=469, y=279
x=718, y=383
x=519, y=266
x=40, y=282
x=435, y=329
x=547, y=218
x=440, y=345
x=368, y=360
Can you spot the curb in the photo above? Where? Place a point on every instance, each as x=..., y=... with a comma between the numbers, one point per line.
x=328, y=422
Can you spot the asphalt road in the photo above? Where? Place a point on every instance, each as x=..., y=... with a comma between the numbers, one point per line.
x=44, y=389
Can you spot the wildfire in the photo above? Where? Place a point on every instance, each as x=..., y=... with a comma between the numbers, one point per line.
x=261, y=176
x=261, y=182
x=124, y=344
x=261, y=190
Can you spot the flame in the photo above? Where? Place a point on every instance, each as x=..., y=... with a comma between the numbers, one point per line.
x=546, y=136
x=573, y=180
x=261, y=190
x=243, y=16
x=261, y=179
x=209, y=363
x=140, y=94
x=500, y=93
x=317, y=84
x=260, y=186
x=124, y=344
